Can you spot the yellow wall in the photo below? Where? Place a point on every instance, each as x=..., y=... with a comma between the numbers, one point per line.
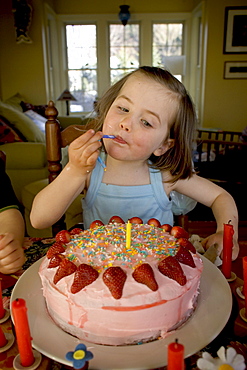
x=112, y=6
x=225, y=103
x=21, y=65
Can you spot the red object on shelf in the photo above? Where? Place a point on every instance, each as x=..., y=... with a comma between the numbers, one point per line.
x=227, y=250
x=3, y=340
x=22, y=330
x=175, y=356
x=245, y=282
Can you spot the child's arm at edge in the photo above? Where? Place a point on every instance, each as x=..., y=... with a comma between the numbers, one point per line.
x=220, y=201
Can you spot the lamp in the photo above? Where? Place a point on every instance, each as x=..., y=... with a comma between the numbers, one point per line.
x=124, y=14
x=66, y=96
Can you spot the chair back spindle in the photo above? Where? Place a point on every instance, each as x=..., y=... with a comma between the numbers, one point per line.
x=56, y=139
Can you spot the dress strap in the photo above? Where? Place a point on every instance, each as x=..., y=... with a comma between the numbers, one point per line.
x=95, y=182
x=158, y=189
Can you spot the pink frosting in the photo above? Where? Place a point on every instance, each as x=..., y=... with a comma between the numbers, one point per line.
x=141, y=314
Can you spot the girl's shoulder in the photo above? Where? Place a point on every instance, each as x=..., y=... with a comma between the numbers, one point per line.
x=166, y=176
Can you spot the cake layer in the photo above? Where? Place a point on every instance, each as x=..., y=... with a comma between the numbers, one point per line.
x=141, y=314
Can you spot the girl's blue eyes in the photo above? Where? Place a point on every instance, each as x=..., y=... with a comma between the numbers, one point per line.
x=123, y=109
x=145, y=123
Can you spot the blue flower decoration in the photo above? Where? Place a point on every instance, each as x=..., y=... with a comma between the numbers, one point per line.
x=80, y=356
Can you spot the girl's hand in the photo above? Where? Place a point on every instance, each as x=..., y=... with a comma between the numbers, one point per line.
x=84, y=151
x=12, y=255
x=217, y=238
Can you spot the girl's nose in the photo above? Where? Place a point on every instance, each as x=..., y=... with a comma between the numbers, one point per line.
x=125, y=125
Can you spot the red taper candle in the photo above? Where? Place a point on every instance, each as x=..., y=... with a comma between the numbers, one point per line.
x=22, y=330
x=2, y=310
x=3, y=340
x=227, y=250
x=245, y=282
x=175, y=356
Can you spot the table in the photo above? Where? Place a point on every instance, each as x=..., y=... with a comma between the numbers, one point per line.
x=234, y=334
x=35, y=248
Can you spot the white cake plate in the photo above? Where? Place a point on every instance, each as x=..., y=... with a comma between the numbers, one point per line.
x=210, y=317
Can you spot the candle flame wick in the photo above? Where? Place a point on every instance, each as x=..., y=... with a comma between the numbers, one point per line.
x=229, y=222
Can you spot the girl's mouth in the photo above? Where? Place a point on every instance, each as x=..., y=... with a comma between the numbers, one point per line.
x=119, y=139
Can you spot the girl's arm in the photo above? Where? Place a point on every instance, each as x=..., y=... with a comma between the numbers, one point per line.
x=219, y=200
x=51, y=203
x=12, y=230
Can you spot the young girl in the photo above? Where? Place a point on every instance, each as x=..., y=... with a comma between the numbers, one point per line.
x=153, y=121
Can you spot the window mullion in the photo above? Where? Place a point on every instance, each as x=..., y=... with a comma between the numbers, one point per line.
x=103, y=56
x=146, y=42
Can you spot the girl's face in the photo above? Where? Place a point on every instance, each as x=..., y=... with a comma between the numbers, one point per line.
x=140, y=118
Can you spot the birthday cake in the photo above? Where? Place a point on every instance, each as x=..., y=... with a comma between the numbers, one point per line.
x=108, y=286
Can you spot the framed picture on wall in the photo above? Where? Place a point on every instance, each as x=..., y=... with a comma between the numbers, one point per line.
x=235, y=32
x=235, y=70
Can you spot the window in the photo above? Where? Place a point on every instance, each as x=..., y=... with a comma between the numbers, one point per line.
x=168, y=47
x=124, y=49
x=82, y=66
x=100, y=50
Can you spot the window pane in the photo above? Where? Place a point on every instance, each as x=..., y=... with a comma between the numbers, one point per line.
x=81, y=46
x=124, y=57
x=167, y=42
x=82, y=66
x=83, y=86
x=124, y=49
x=116, y=74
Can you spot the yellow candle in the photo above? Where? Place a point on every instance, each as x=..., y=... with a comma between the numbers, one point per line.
x=128, y=234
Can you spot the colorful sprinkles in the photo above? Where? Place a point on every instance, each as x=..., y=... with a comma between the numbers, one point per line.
x=105, y=246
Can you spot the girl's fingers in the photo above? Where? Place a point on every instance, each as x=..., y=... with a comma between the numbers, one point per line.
x=89, y=137
x=92, y=158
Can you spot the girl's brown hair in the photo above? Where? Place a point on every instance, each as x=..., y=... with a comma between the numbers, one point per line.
x=177, y=159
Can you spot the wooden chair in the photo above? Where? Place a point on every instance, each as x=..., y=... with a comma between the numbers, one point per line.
x=217, y=146
x=56, y=139
x=219, y=156
x=219, y=135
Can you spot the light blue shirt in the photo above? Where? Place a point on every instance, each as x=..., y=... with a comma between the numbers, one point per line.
x=103, y=201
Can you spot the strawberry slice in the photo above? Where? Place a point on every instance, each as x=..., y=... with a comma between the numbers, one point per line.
x=154, y=222
x=116, y=219
x=166, y=227
x=96, y=223
x=65, y=268
x=144, y=274
x=76, y=230
x=57, y=247
x=135, y=220
x=179, y=232
x=187, y=244
x=114, y=278
x=84, y=275
x=184, y=256
x=171, y=268
x=56, y=260
x=63, y=236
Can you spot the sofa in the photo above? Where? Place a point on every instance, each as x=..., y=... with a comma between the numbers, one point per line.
x=22, y=138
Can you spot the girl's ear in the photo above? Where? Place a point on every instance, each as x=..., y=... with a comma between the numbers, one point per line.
x=164, y=147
